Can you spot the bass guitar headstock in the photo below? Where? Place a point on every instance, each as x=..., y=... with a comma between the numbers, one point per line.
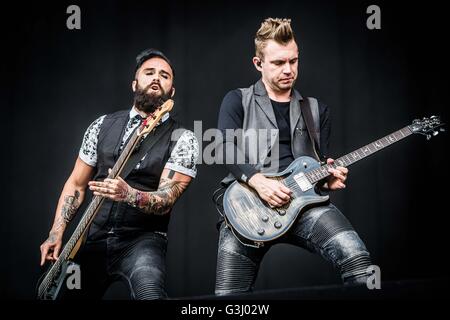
x=152, y=120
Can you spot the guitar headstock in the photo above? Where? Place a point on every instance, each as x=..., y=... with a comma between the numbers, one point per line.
x=427, y=126
x=153, y=119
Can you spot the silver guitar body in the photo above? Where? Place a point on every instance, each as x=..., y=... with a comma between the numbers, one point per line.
x=253, y=221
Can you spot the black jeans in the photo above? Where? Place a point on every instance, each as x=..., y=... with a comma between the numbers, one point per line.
x=137, y=259
x=323, y=229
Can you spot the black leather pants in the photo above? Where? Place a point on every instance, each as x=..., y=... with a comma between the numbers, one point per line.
x=136, y=259
x=323, y=229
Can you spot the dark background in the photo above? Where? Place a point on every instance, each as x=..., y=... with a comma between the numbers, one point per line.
x=55, y=82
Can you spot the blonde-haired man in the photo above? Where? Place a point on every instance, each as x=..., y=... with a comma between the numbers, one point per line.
x=273, y=103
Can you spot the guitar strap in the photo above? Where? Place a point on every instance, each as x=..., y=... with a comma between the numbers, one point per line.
x=144, y=147
x=309, y=121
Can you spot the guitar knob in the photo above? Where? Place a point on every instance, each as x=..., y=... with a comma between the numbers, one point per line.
x=265, y=218
x=260, y=232
x=278, y=224
x=282, y=212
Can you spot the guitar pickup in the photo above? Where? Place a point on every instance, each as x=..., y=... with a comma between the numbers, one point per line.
x=303, y=182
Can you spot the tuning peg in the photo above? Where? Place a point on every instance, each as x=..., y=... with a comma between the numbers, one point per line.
x=435, y=133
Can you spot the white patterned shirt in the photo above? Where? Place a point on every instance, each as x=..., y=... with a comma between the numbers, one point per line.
x=182, y=158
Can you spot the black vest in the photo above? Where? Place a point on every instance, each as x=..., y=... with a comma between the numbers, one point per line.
x=119, y=216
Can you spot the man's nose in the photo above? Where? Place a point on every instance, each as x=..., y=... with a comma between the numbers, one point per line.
x=287, y=68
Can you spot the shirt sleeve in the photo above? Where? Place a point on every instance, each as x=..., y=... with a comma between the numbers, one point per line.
x=88, y=150
x=184, y=155
x=231, y=116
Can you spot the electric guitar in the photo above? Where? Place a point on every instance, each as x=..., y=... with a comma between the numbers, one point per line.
x=255, y=223
x=52, y=281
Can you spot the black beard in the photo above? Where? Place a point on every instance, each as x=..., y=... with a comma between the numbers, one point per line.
x=148, y=102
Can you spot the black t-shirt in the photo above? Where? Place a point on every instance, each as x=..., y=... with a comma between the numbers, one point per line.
x=281, y=110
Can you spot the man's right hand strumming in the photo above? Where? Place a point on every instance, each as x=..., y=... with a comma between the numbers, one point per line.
x=272, y=191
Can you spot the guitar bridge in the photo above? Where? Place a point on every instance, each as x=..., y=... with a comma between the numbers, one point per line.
x=303, y=181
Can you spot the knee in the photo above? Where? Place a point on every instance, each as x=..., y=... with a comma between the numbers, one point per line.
x=328, y=224
x=231, y=265
x=235, y=273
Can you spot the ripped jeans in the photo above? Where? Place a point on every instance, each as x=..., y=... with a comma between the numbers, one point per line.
x=136, y=259
x=323, y=230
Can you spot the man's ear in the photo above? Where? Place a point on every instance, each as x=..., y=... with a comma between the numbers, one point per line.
x=257, y=63
x=173, y=92
x=133, y=85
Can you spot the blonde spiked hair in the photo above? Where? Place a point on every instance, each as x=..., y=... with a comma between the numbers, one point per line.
x=275, y=29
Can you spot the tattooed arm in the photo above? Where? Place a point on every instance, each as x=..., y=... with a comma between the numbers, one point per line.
x=171, y=185
x=70, y=200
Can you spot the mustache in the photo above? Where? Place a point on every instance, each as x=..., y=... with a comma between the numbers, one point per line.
x=153, y=83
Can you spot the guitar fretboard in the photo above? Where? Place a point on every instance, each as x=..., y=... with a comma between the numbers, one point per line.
x=88, y=216
x=361, y=153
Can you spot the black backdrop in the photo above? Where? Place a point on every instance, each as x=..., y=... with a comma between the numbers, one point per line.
x=55, y=82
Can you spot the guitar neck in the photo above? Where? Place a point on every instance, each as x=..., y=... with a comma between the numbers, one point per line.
x=88, y=216
x=359, y=154
x=97, y=201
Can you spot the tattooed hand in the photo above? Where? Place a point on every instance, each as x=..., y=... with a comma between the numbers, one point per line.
x=115, y=189
x=51, y=247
